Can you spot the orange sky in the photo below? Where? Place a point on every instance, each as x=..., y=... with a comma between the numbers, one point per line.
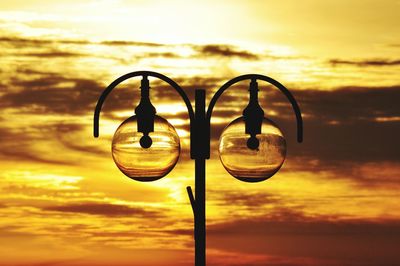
x=335, y=200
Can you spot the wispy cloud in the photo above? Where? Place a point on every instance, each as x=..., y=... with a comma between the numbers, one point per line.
x=49, y=94
x=253, y=200
x=225, y=51
x=104, y=209
x=19, y=41
x=52, y=54
x=363, y=63
x=131, y=43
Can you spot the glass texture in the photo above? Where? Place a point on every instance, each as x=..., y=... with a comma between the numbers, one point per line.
x=145, y=164
x=252, y=165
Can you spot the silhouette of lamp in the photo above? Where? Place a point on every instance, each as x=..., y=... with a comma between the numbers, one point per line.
x=146, y=147
x=252, y=148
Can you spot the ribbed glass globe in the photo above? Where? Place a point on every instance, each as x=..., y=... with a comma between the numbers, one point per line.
x=252, y=165
x=145, y=164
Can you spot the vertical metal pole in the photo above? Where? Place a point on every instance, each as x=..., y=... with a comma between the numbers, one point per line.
x=200, y=216
x=200, y=178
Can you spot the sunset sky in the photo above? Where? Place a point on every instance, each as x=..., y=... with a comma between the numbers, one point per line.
x=335, y=201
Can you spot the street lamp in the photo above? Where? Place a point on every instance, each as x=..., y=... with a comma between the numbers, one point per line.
x=146, y=147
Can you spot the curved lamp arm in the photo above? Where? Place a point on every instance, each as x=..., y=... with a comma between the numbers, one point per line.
x=282, y=88
x=131, y=75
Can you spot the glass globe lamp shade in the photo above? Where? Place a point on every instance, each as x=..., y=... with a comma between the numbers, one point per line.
x=257, y=163
x=147, y=162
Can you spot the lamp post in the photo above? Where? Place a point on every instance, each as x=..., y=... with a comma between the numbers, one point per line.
x=252, y=148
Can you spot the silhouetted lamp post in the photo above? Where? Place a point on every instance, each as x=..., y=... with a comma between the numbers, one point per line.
x=145, y=147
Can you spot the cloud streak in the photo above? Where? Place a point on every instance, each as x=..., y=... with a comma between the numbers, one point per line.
x=24, y=42
x=225, y=51
x=104, y=209
x=53, y=54
x=219, y=50
x=365, y=63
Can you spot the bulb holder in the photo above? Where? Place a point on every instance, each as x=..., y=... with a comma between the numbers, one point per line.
x=145, y=113
x=253, y=116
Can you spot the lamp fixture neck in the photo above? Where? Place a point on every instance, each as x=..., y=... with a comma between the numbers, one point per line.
x=253, y=110
x=253, y=91
x=145, y=113
x=253, y=116
x=145, y=87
